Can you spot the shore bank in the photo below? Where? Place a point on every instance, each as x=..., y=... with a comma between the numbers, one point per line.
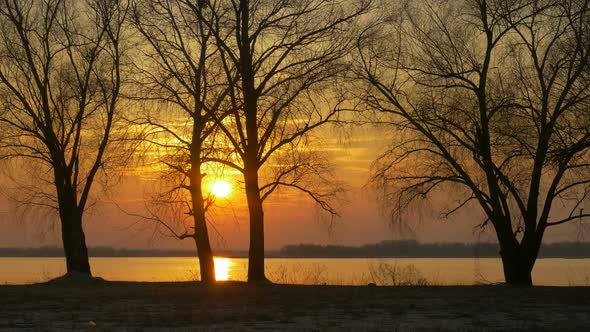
x=189, y=306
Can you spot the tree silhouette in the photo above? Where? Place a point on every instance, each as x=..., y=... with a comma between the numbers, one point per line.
x=288, y=55
x=179, y=79
x=489, y=101
x=60, y=80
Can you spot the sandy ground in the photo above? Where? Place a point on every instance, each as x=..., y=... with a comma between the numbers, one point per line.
x=118, y=306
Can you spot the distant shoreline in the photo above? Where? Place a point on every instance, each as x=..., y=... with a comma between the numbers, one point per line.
x=384, y=249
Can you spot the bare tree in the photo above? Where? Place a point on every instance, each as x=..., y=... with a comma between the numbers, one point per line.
x=60, y=79
x=488, y=100
x=182, y=82
x=288, y=58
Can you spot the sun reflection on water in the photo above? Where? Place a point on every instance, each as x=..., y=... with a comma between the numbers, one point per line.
x=222, y=266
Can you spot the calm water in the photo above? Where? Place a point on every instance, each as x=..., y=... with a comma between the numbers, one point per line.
x=444, y=271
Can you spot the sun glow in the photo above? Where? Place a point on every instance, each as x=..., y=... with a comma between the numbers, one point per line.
x=222, y=266
x=221, y=189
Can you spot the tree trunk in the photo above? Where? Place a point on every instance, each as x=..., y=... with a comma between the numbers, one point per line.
x=72, y=233
x=256, y=252
x=206, y=262
x=201, y=234
x=518, y=259
x=517, y=270
x=74, y=243
x=251, y=159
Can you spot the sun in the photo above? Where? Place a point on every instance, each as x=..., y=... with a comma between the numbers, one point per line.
x=221, y=188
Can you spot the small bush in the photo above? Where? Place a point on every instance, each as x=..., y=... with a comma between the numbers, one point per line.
x=314, y=274
x=397, y=275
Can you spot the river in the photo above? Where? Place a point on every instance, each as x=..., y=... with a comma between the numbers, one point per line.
x=341, y=271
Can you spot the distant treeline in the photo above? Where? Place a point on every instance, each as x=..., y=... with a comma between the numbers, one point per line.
x=95, y=252
x=414, y=249
x=384, y=249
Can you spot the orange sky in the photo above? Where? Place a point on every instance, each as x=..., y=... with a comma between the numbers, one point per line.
x=290, y=218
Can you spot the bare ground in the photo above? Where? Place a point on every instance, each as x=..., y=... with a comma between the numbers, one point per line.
x=120, y=306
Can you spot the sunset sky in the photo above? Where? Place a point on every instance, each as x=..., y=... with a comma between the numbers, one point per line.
x=291, y=217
